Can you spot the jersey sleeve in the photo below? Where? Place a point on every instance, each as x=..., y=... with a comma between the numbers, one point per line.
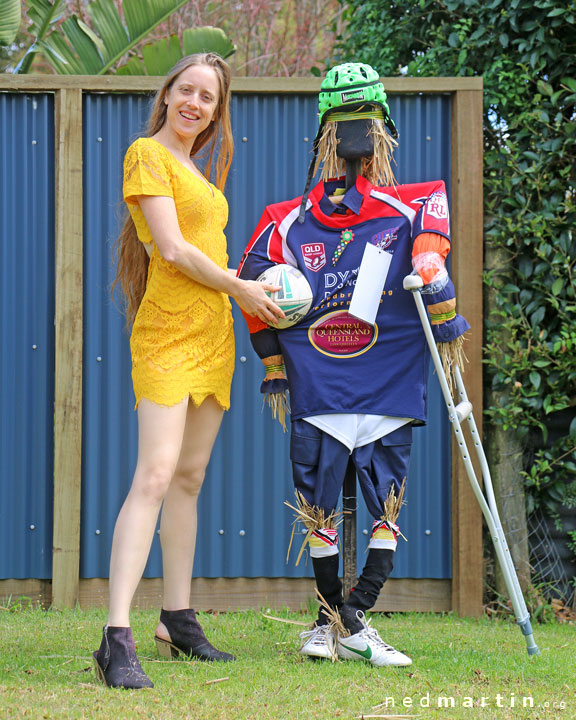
x=433, y=215
x=431, y=243
x=263, y=251
x=146, y=172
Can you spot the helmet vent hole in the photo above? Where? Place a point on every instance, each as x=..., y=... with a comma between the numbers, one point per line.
x=336, y=78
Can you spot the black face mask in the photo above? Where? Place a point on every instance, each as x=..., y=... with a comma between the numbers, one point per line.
x=355, y=140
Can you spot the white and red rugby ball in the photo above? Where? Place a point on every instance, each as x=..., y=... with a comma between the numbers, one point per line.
x=295, y=294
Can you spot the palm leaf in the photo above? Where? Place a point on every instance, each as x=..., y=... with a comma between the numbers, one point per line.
x=158, y=57
x=60, y=56
x=141, y=18
x=42, y=15
x=207, y=39
x=10, y=16
x=134, y=66
x=84, y=45
x=105, y=16
x=140, y=15
x=93, y=51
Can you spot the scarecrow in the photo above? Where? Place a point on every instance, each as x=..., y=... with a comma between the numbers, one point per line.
x=357, y=384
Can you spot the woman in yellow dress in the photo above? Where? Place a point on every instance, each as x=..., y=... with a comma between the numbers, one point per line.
x=172, y=267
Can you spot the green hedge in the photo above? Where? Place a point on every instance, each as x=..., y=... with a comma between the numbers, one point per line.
x=526, y=52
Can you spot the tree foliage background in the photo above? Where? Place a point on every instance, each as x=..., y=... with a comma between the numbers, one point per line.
x=271, y=37
x=526, y=52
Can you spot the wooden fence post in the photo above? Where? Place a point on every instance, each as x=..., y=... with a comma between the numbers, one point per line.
x=68, y=347
x=349, y=503
x=467, y=257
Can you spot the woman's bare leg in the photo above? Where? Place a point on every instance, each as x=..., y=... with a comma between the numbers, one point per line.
x=160, y=439
x=178, y=523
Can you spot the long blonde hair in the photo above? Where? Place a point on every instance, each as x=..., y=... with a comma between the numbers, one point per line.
x=132, y=258
x=377, y=169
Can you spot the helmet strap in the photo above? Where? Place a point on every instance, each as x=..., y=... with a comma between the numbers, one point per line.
x=309, y=176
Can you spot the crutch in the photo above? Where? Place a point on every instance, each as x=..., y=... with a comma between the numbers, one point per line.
x=457, y=414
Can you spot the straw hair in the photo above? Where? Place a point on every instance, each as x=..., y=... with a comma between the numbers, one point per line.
x=332, y=165
x=377, y=169
x=132, y=258
x=393, y=504
x=313, y=518
x=452, y=355
x=278, y=404
x=334, y=619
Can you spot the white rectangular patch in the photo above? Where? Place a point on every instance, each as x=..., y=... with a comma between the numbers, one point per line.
x=370, y=283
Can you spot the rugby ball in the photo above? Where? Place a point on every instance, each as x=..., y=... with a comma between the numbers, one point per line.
x=295, y=294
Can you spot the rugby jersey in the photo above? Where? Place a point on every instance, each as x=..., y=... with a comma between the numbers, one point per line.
x=336, y=363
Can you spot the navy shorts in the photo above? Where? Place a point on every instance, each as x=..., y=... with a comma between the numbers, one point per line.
x=319, y=464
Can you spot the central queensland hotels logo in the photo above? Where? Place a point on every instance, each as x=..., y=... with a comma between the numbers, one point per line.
x=340, y=335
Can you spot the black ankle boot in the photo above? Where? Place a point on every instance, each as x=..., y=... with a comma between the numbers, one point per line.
x=116, y=663
x=187, y=637
x=364, y=594
x=328, y=584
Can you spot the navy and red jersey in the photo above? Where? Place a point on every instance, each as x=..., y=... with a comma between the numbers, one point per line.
x=336, y=363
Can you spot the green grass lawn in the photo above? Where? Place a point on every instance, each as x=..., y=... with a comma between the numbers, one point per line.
x=462, y=669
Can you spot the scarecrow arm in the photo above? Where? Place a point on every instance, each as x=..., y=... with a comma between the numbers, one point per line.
x=428, y=260
x=266, y=345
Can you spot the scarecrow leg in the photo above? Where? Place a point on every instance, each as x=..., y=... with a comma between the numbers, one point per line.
x=364, y=594
x=322, y=539
x=328, y=584
x=379, y=563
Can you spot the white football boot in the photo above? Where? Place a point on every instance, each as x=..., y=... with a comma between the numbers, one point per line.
x=319, y=642
x=368, y=645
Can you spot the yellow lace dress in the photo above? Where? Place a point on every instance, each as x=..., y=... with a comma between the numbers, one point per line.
x=182, y=341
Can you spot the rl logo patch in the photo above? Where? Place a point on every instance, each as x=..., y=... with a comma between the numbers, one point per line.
x=438, y=206
x=314, y=256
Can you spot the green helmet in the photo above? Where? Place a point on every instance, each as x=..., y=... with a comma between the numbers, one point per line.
x=352, y=84
x=345, y=89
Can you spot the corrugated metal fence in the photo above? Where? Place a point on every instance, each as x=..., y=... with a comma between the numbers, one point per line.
x=244, y=527
x=27, y=334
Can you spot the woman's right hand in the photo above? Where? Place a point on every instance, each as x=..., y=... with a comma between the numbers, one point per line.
x=252, y=298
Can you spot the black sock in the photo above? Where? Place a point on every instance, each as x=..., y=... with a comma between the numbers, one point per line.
x=364, y=594
x=328, y=583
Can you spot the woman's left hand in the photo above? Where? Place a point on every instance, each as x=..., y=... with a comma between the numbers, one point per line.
x=253, y=298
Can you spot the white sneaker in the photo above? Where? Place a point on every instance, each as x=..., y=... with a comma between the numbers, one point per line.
x=318, y=642
x=368, y=645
